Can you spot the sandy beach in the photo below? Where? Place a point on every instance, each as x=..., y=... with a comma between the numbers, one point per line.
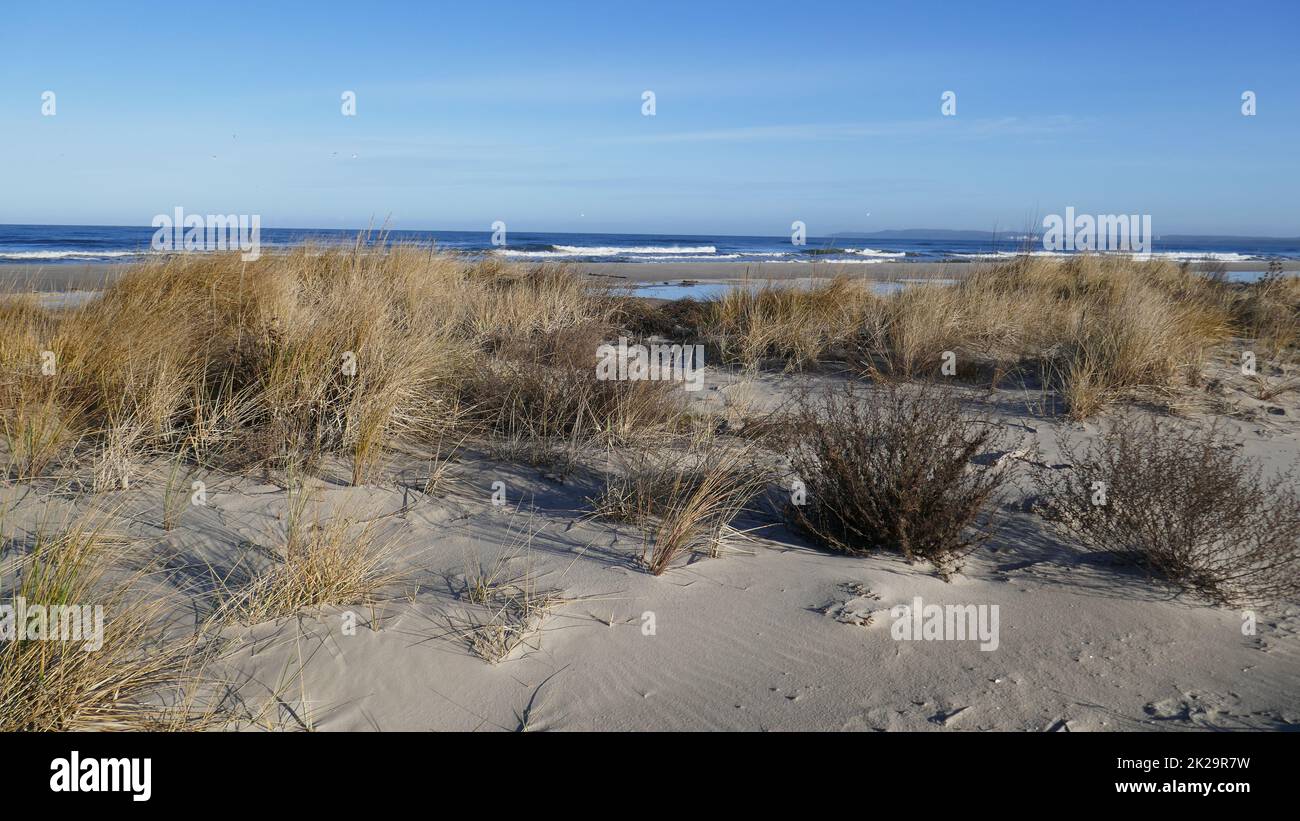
x=512, y=569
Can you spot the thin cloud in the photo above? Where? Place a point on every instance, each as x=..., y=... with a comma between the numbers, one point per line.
x=972, y=128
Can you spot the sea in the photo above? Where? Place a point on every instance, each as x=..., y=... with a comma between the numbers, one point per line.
x=79, y=244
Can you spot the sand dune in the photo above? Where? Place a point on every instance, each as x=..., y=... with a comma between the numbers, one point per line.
x=506, y=604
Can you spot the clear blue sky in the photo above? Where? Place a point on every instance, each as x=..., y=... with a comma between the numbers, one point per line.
x=766, y=113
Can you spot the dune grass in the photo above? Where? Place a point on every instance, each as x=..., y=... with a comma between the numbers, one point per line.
x=296, y=356
x=326, y=351
x=1266, y=314
x=686, y=500
x=1095, y=329
x=334, y=561
x=798, y=326
x=502, y=606
x=143, y=675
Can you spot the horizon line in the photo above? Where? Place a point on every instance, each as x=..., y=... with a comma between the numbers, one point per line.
x=884, y=232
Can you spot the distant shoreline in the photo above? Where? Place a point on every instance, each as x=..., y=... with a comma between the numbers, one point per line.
x=26, y=277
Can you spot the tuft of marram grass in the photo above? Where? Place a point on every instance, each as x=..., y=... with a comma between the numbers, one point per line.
x=686, y=501
x=1266, y=317
x=503, y=608
x=508, y=617
x=1098, y=328
x=147, y=675
x=800, y=326
x=336, y=561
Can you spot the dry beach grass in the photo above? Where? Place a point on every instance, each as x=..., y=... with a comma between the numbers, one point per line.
x=1094, y=328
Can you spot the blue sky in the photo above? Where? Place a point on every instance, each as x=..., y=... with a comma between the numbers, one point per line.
x=765, y=113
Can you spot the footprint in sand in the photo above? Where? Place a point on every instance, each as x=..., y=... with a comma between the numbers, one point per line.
x=854, y=604
x=1169, y=709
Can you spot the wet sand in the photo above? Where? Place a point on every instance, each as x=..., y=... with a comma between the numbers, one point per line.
x=50, y=278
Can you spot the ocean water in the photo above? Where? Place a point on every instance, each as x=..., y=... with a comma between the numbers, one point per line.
x=71, y=244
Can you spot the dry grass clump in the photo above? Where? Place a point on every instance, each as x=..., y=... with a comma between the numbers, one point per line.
x=1140, y=342
x=508, y=616
x=35, y=426
x=335, y=561
x=800, y=325
x=1097, y=328
x=277, y=360
x=540, y=382
x=142, y=677
x=316, y=351
x=1277, y=374
x=508, y=306
x=35, y=430
x=1266, y=316
x=894, y=467
x=504, y=609
x=910, y=331
x=687, y=500
x=1126, y=326
x=1182, y=503
x=546, y=396
x=679, y=319
x=1268, y=310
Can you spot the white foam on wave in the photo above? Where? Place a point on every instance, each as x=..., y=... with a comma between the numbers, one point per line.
x=610, y=250
x=1010, y=254
x=505, y=252
x=1175, y=256
x=824, y=260
x=66, y=254
x=691, y=258
x=872, y=252
x=565, y=251
x=1191, y=256
x=657, y=257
